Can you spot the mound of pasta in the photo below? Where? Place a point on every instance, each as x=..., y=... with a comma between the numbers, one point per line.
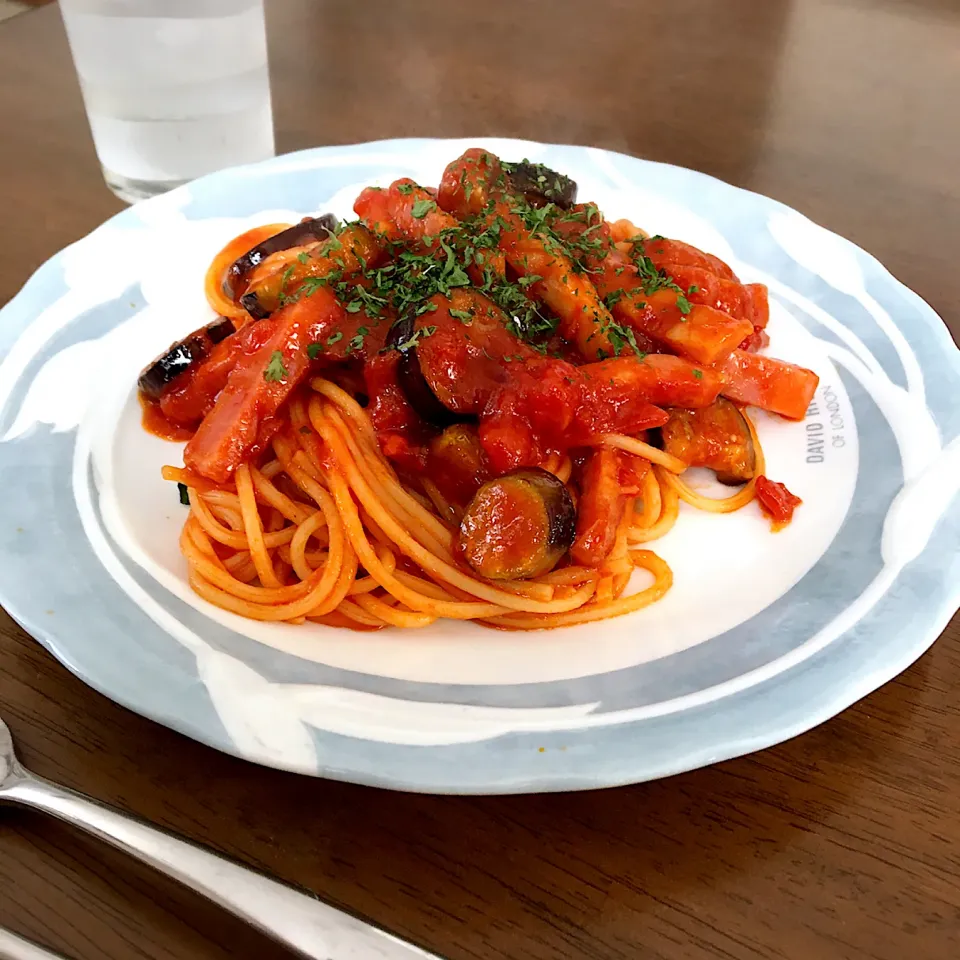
x=476, y=401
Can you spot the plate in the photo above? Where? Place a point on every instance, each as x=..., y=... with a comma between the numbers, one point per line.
x=762, y=636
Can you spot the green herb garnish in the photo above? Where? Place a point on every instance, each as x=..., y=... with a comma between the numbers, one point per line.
x=418, y=335
x=275, y=371
x=421, y=208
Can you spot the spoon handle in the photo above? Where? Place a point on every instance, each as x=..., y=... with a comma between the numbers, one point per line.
x=297, y=920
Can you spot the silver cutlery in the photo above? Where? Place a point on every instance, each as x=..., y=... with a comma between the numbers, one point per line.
x=295, y=919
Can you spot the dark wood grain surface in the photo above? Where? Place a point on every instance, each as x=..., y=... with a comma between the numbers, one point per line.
x=843, y=843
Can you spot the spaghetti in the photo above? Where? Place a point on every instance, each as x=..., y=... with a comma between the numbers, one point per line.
x=322, y=484
x=350, y=542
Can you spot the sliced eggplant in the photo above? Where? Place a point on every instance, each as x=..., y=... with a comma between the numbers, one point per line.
x=517, y=526
x=220, y=329
x=353, y=249
x=540, y=185
x=404, y=337
x=182, y=355
x=716, y=437
x=465, y=350
x=457, y=463
x=308, y=230
x=251, y=303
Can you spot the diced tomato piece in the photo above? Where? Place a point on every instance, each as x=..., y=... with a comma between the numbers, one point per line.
x=776, y=501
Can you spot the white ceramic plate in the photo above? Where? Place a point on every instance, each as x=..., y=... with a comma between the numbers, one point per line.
x=761, y=637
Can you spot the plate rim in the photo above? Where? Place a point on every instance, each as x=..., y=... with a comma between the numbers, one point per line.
x=910, y=653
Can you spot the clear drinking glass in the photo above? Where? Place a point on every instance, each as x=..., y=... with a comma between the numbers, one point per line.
x=173, y=88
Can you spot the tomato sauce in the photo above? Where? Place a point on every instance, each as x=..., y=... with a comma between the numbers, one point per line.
x=155, y=422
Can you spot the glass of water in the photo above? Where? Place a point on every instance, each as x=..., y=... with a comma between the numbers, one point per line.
x=173, y=88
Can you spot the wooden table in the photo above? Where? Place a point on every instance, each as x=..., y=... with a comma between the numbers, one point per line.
x=843, y=843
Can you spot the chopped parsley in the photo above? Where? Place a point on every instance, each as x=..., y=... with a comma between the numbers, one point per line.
x=287, y=274
x=311, y=285
x=465, y=315
x=303, y=256
x=334, y=338
x=314, y=350
x=683, y=304
x=418, y=335
x=421, y=208
x=356, y=342
x=275, y=371
x=612, y=298
x=621, y=337
x=405, y=188
x=184, y=494
x=698, y=374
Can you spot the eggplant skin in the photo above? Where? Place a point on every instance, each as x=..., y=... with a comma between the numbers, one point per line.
x=411, y=379
x=540, y=185
x=716, y=437
x=181, y=356
x=220, y=329
x=517, y=526
x=560, y=509
x=308, y=230
x=251, y=304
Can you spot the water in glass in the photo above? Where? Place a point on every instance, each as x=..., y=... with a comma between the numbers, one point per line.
x=173, y=88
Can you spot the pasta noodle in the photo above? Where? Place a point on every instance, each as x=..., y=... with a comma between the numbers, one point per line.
x=383, y=553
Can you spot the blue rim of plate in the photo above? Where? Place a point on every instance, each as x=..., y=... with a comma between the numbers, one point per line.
x=899, y=541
